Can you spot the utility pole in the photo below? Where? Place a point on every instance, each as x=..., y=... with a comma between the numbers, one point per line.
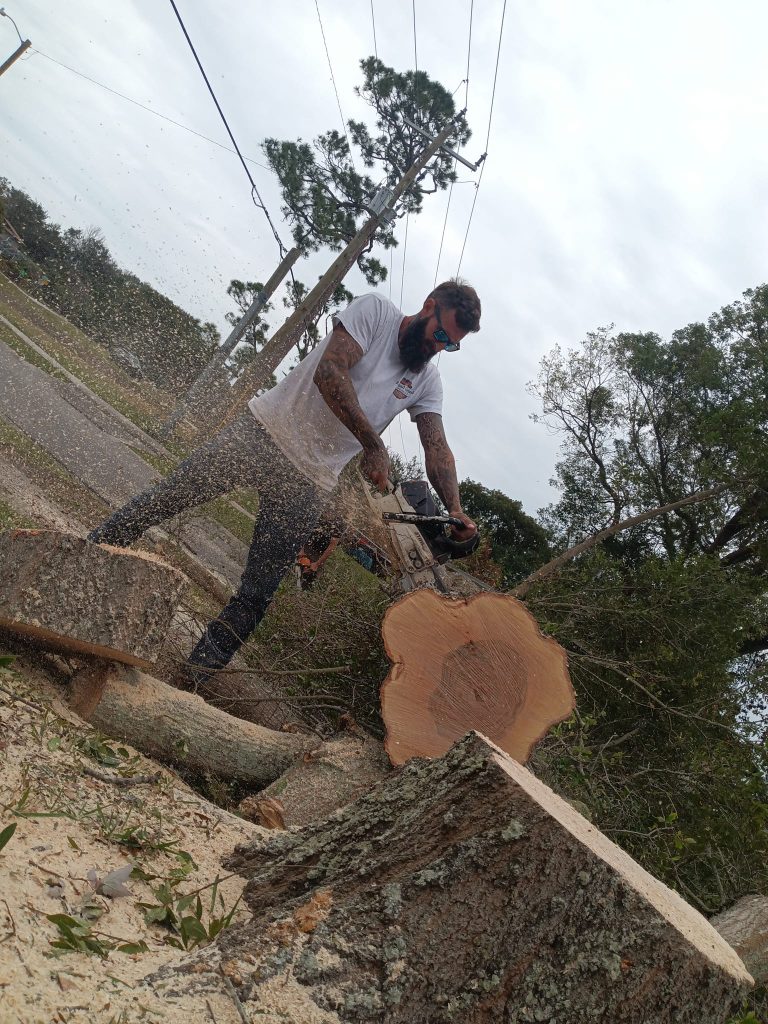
x=259, y=371
x=228, y=346
x=22, y=48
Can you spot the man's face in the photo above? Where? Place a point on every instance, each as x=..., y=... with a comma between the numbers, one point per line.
x=418, y=344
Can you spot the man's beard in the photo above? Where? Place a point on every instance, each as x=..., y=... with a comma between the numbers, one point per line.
x=415, y=350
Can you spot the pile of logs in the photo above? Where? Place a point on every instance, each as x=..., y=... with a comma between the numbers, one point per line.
x=456, y=888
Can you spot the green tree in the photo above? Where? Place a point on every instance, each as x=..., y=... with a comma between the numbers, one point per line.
x=666, y=624
x=518, y=543
x=325, y=199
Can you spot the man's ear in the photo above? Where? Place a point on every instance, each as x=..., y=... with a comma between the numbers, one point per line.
x=428, y=308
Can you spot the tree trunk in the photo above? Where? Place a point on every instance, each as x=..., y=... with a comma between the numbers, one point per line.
x=745, y=927
x=462, y=889
x=323, y=780
x=180, y=728
x=67, y=594
x=479, y=663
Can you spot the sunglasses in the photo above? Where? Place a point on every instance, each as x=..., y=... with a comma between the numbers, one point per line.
x=441, y=336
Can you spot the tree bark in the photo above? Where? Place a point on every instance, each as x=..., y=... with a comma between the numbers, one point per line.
x=478, y=663
x=461, y=889
x=745, y=927
x=332, y=776
x=181, y=728
x=69, y=595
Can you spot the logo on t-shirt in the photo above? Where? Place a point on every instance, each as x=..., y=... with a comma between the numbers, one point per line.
x=403, y=388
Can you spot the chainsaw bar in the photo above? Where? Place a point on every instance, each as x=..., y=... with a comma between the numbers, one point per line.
x=416, y=519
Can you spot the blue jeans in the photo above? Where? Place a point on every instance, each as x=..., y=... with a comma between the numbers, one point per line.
x=241, y=455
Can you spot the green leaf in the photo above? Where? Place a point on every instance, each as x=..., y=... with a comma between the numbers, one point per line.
x=5, y=835
x=133, y=947
x=192, y=932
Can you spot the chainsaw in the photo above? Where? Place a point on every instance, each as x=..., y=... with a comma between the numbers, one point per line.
x=419, y=534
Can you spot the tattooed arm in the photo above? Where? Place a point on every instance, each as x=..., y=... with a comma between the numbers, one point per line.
x=335, y=385
x=441, y=470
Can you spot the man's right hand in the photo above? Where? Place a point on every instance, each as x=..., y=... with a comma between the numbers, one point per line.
x=375, y=465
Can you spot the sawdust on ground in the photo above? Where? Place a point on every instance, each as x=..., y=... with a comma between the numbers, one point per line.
x=69, y=824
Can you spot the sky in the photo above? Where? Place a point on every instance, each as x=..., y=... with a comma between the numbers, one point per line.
x=625, y=181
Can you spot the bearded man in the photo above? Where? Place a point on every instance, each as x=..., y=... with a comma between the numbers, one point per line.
x=295, y=439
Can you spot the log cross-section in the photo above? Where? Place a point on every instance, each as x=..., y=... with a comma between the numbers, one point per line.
x=62, y=592
x=478, y=663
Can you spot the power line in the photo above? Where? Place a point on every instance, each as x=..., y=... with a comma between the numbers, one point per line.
x=149, y=110
x=415, y=54
x=405, y=253
x=333, y=79
x=254, y=191
x=373, y=22
x=488, y=136
x=466, y=103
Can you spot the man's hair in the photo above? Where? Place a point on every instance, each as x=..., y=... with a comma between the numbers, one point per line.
x=462, y=299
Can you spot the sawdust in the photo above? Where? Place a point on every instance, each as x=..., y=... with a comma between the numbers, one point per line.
x=69, y=823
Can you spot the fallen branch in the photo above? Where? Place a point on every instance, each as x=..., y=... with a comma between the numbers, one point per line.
x=578, y=549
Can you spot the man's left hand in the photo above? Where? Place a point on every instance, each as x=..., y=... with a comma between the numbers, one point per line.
x=467, y=531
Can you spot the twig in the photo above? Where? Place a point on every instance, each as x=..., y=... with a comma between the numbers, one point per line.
x=12, y=932
x=279, y=671
x=120, y=780
x=20, y=700
x=210, y=1011
x=234, y=996
x=47, y=870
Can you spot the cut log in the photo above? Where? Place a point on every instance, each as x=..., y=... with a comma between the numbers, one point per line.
x=745, y=927
x=69, y=595
x=323, y=780
x=180, y=728
x=478, y=663
x=462, y=889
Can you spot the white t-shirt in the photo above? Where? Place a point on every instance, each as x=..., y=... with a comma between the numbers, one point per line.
x=298, y=418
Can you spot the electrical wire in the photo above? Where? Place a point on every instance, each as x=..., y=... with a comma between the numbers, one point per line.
x=455, y=162
x=405, y=253
x=415, y=54
x=333, y=79
x=149, y=110
x=488, y=136
x=257, y=200
x=373, y=22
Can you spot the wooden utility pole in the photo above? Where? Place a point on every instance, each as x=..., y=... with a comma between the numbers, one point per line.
x=258, y=373
x=225, y=350
x=22, y=48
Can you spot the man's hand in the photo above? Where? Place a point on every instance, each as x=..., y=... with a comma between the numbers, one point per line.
x=467, y=532
x=375, y=465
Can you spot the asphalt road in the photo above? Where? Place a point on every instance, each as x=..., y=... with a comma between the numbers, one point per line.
x=37, y=405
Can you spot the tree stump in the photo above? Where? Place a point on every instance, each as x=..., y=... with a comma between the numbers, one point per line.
x=462, y=889
x=67, y=594
x=478, y=663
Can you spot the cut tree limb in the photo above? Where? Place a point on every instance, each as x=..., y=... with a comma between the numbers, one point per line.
x=478, y=663
x=462, y=889
x=181, y=728
x=745, y=927
x=69, y=595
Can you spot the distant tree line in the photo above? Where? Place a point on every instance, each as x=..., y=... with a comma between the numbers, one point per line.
x=111, y=305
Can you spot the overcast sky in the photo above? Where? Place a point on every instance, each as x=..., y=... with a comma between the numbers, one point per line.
x=625, y=182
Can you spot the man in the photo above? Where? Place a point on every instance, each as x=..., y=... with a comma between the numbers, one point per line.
x=297, y=437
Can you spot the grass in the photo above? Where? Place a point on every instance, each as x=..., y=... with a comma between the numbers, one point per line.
x=83, y=357
x=10, y=519
x=28, y=353
x=30, y=457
